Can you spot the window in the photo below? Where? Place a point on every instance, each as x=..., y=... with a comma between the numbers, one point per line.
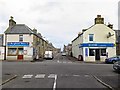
x=91, y=52
x=20, y=37
x=91, y=37
x=12, y=51
x=103, y=52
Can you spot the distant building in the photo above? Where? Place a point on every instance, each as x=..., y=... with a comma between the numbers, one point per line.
x=1, y=47
x=95, y=43
x=69, y=49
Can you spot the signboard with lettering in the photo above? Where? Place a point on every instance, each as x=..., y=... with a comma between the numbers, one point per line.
x=97, y=45
x=17, y=44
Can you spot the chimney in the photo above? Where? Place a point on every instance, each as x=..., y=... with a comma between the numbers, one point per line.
x=11, y=22
x=79, y=33
x=35, y=31
x=110, y=25
x=99, y=20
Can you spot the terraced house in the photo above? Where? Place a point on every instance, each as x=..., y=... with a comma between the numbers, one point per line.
x=95, y=43
x=23, y=43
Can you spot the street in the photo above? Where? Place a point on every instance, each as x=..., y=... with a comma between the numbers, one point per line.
x=59, y=73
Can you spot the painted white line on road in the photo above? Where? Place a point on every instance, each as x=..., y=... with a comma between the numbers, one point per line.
x=27, y=76
x=55, y=82
x=86, y=75
x=52, y=76
x=76, y=75
x=40, y=76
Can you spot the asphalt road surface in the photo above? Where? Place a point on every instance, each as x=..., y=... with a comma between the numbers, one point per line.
x=59, y=73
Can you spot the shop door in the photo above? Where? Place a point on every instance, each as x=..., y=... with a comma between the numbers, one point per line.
x=20, y=54
x=97, y=54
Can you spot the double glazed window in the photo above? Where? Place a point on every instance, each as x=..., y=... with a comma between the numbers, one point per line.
x=103, y=52
x=93, y=51
x=20, y=38
x=91, y=37
x=12, y=51
x=15, y=51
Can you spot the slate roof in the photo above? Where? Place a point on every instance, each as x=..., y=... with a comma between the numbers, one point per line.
x=1, y=39
x=19, y=29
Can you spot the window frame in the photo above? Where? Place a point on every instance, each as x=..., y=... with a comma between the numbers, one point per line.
x=90, y=52
x=91, y=36
x=20, y=38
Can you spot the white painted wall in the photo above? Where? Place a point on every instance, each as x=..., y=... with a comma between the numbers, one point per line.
x=75, y=47
x=28, y=51
x=100, y=32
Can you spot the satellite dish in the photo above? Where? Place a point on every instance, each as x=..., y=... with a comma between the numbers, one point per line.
x=109, y=35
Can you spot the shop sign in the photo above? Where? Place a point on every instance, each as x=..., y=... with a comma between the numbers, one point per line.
x=17, y=44
x=97, y=45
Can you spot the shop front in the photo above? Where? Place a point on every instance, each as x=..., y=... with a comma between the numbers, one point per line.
x=97, y=51
x=16, y=50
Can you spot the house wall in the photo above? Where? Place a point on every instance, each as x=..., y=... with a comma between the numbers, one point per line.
x=27, y=50
x=76, y=51
x=100, y=32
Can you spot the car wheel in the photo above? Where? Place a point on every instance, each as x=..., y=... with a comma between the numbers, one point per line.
x=113, y=61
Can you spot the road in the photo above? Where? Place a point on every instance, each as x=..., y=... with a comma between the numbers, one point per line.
x=59, y=73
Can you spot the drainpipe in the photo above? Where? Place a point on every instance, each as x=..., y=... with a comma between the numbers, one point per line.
x=5, y=47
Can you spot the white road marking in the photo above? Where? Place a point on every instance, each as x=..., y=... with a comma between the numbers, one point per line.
x=40, y=76
x=55, y=82
x=69, y=62
x=76, y=75
x=86, y=75
x=27, y=76
x=52, y=76
x=64, y=62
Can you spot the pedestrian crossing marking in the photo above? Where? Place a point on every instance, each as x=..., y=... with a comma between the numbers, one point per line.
x=40, y=76
x=52, y=76
x=27, y=76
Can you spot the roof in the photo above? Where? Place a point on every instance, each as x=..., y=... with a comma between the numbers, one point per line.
x=19, y=29
x=84, y=30
x=22, y=29
x=1, y=39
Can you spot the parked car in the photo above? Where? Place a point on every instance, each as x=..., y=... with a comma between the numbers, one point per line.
x=116, y=66
x=63, y=54
x=48, y=55
x=112, y=59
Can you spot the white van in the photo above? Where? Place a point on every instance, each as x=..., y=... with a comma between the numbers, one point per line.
x=48, y=55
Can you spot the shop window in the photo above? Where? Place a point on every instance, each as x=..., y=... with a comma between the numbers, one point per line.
x=21, y=38
x=91, y=37
x=20, y=51
x=12, y=51
x=91, y=52
x=103, y=52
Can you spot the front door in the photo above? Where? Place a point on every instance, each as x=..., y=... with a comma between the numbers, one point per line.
x=97, y=54
x=20, y=54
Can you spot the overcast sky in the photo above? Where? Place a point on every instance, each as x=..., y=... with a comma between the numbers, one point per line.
x=59, y=21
